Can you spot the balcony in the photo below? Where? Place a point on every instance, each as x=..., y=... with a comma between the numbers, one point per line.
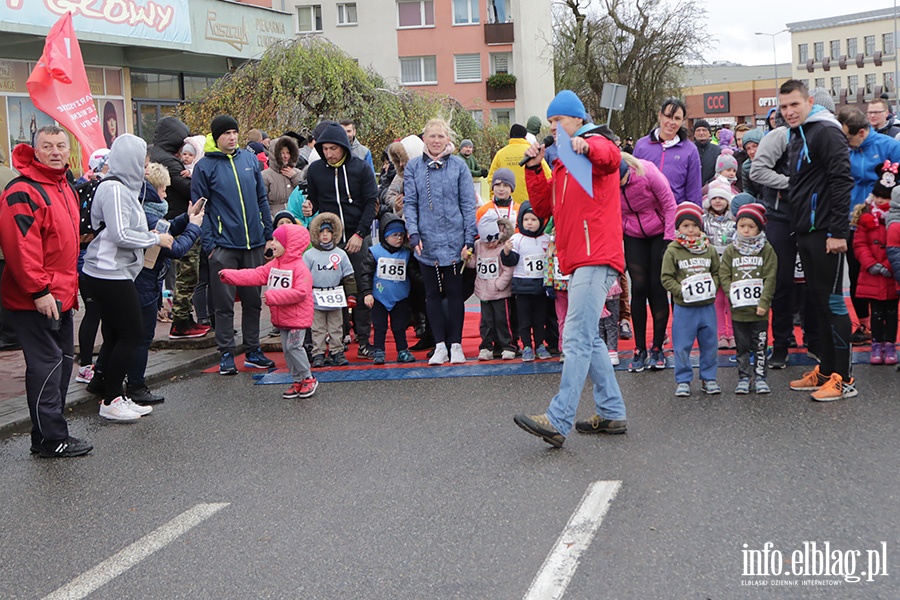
x=506, y=93
x=498, y=33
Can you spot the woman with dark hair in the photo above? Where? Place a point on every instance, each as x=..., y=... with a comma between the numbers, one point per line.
x=669, y=148
x=110, y=123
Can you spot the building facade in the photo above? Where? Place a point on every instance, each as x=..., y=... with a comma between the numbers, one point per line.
x=731, y=94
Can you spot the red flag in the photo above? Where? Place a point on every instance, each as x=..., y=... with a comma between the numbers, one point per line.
x=59, y=87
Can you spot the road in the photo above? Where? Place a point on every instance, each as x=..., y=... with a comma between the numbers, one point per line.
x=426, y=489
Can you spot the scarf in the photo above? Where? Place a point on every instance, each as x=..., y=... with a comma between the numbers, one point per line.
x=698, y=245
x=667, y=143
x=327, y=246
x=749, y=246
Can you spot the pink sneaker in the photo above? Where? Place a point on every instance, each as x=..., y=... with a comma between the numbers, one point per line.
x=890, y=354
x=875, y=354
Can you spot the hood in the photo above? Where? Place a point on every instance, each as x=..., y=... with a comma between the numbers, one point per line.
x=507, y=229
x=589, y=129
x=284, y=142
x=769, y=115
x=385, y=220
x=25, y=162
x=333, y=134
x=681, y=135
x=327, y=217
x=525, y=209
x=170, y=133
x=398, y=156
x=297, y=242
x=822, y=115
x=126, y=160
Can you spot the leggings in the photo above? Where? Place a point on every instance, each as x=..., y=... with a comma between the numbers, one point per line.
x=87, y=331
x=643, y=258
x=860, y=305
x=444, y=283
x=399, y=319
x=532, y=318
x=884, y=320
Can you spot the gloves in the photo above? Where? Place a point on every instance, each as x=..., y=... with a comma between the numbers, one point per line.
x=551, y=293
x=414, y=240
x=879, y=269
x=351, y=301
x=484, y=172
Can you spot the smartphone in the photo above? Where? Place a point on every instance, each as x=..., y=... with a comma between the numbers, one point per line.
x=162, y=226
x=202, y=202
x=55, y=323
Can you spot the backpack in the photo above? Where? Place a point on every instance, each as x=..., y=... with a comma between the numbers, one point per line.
x=86, y=193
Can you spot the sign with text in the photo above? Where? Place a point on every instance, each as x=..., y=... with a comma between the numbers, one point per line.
x=718, y=102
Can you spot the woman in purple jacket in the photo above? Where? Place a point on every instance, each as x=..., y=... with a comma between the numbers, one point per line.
x=648, y=223
x=669, y=148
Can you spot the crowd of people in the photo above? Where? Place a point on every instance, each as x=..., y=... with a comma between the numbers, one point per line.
x=720, y=231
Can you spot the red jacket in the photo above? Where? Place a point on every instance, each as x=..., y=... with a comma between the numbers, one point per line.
x=588, y=230
x=39, y=238
x=869, y=246
x=291, y=308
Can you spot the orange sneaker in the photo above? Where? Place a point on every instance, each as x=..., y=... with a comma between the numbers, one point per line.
x=835, y=389
x=809, y=382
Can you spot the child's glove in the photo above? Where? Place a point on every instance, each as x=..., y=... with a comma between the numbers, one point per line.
x=551, y=293
x=879, y=269
x=484, y=172
x=351, y=301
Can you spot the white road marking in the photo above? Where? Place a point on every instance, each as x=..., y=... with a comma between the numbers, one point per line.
x=551, y=581
x=135, y=553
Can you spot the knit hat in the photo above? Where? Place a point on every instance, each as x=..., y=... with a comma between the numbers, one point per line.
x=189, y=149
x=517, y=131
x=701, y=123
x=488, y=228
x=98, y=159
x=533, y=125
x=265, y=135
x=566, y=103
x=725, y=161
x=281, y=235
x=326, y=225
x=221, y=124
x=506, y=176
x=821, y=97
x=688, y=210
x=740, y=200
x=466, y=142
x=753, y=136
x=395, y=226
x=717, y=190
x=754, y=211
x=284, y=214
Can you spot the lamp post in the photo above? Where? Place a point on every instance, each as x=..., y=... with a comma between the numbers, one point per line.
x=774, y=53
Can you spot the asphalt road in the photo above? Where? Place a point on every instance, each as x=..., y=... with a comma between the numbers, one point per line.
x=426, y=489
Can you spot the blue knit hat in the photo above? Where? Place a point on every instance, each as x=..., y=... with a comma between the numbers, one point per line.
x=568, y=104
x=395, y=226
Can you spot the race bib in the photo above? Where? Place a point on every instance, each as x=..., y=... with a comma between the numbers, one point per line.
x=746, y=292
x=488, y=268
x=799, y=275
x=330, y=297
x=698, y=288
x=534, y=265
x=557, y=274
x=280, y=279
x=391, y=269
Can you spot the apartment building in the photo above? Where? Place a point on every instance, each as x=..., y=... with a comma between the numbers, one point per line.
x=449, y=47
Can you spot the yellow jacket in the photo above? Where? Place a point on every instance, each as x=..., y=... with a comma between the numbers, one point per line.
x=509, y=156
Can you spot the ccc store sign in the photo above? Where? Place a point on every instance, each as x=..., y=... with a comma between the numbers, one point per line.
x=716, y=103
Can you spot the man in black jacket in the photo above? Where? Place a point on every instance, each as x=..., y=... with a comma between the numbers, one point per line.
x=343, y=184
x=819, y=202
x=709, y=152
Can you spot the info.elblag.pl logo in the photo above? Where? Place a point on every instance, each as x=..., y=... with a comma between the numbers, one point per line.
x=812, y=563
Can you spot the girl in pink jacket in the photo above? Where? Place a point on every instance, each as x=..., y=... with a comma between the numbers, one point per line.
x=289, y=296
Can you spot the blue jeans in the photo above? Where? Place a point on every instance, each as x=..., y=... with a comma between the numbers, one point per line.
x=691, y=323
x=585, y=351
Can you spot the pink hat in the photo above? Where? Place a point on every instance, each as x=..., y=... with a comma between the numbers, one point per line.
x=281, y=235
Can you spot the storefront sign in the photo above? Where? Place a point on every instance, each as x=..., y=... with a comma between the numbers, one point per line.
x=768, y=101
x=716, y=103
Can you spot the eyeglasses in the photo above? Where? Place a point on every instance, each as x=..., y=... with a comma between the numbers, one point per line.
x=875, y=112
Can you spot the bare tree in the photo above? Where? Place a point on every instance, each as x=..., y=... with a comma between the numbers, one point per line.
x=639, y=43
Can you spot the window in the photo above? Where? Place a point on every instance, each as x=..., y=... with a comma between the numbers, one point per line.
x=869, y=41
x=836, y=86
x=465, y=12
x=498, y=11
x=887, y=43
x=819, y=49
x=835, y=49
x=478, y=116
x=347, y=14
x=418, y=70
x=851, y=47
x=805, y=82
x=802, y=53
x=870, y=83
x=503, y=116
x=889, y=82
x=820, y=83
x=468, y=67
x=309, y=19
x=419, y=13
x=852, y=84
x=501, y=62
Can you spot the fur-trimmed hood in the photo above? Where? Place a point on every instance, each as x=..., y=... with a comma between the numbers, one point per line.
x=507, y=229
x=284, y=142
x=336, y=229
x=398, y=156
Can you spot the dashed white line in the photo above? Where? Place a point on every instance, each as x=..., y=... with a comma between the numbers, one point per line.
x=551, y=581
x=122, y=561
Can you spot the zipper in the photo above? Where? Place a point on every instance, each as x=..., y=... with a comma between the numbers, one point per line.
x=812, y=212
x=587, y=237
x=636, y=216
x=243, y=207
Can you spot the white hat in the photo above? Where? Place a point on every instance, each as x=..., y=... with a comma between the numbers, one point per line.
x=98, y=159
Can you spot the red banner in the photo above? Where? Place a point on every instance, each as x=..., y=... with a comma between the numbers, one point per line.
x=59, y=87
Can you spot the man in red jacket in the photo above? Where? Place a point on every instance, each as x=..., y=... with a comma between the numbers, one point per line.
x=589, y=249
x=39, y=235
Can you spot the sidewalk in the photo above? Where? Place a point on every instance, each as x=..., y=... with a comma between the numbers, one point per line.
x=168, y=359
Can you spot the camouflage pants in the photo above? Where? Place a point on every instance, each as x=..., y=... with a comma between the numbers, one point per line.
x=188, y=273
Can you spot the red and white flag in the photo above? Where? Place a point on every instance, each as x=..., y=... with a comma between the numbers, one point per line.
x=59, y=86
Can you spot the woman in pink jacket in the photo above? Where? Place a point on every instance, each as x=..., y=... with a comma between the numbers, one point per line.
x=289, y=296
x=648, y=225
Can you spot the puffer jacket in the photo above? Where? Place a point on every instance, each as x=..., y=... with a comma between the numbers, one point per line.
x=291, y=308
x=648, y=205
x=279, y=187
x=168, y=139
x=679, y=163
x=720, y=230
x=439, y=206
x=487, y=286
x=386, y=291
x=329, y=267
x=870, y=247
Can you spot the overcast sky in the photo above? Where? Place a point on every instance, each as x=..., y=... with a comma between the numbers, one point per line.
x=733, y=24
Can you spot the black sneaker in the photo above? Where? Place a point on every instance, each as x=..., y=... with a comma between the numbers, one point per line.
x=143, y=395
x=861, y=336
x=339, y=360
x=540, y=426
x=598, y=425
x=226, y=364
x=365, y=351
x=425, y=343
x=318, y=361
x=779, y=357
x=67, y=448
x=96, y=386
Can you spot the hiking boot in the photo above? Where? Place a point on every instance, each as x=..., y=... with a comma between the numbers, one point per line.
x=625, y=330
x=890, y=353
x=378, y=357
x=143, y=395
x=257, y=360
x=485, y=354
x=762, y=387
x=67, y=448
x=542, y=353
x=743, y=386
x=457, y=357
x=339, y=360
x=597, y=424
x=809, y=382
x=440, y=355
x=779, y=358
x=875, y=354
x=835, y=389
x=405, y=356
x=540, y=426
x=638, y=361
x=861, y=336
x=683, y=390
x=308, y=387
x=318, y=361
x=657, y=359
x=527, y=354
x=226, y=364
x=710, y=387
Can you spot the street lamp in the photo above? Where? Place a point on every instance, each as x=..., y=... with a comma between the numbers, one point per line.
x=774, y=54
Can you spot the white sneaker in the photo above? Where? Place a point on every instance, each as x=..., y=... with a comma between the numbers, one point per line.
x=85, y=374
x=485, y=354
x=614, y=358
x=456, y=354
x=117, y=410
x=440, y=355
x=133, y=406
x=508, y=355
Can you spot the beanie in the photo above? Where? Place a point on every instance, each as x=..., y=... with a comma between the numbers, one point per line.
x=281, y=235
x=753, y=136
x=488, y=228
x=533, y=125
x=284, y=214
x=506, y=176
x=718, y=190
x=566, y=103
x=701, y=123
x=821, y=97
x=466, y=142
x=98, y=159
x=189, y=149
x=265, y=135
x=740, y=200
x=725, y=161
x=394, y=226
x=690, y=211
x=517, y=131
x=221, y=124
x=754, y=211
